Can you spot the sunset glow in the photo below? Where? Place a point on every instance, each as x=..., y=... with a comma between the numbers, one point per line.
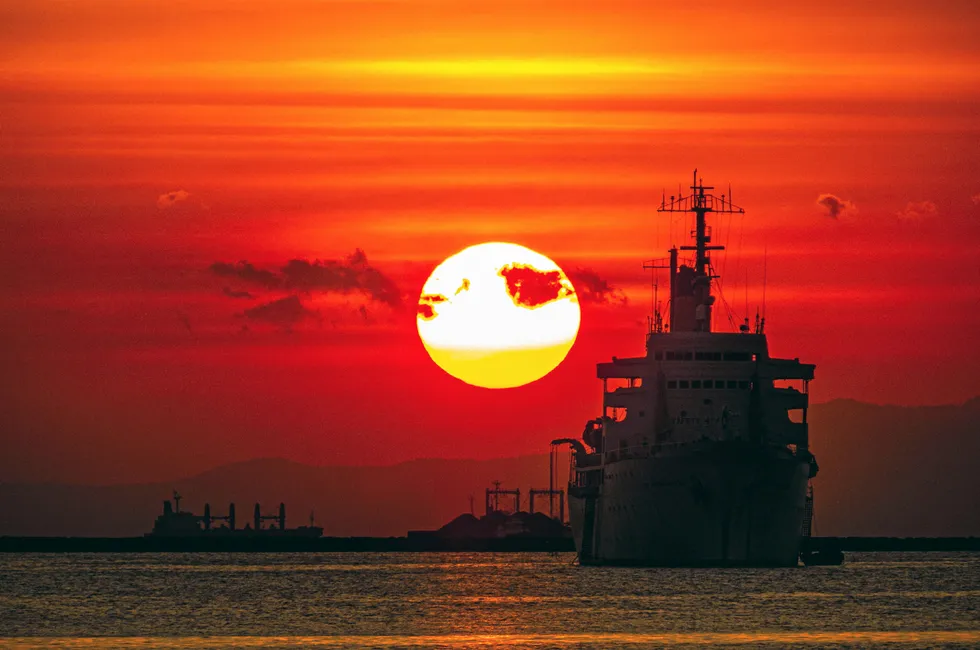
x=145, y=142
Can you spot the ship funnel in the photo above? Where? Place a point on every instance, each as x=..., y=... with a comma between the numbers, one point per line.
x=231, y=516
x=282, y=516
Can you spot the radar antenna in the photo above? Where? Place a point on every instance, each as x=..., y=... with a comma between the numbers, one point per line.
x=690, y=287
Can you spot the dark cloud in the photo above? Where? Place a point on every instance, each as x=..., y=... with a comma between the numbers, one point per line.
x=835, y=206
x=231, y=293
x=170, y=199
x=284, y=312
x=427, y=303
x=529, y=287
x=593, y=289
x=918, y=211
x=246, y=272
x=353, y=273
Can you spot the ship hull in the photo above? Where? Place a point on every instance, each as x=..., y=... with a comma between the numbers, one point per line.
x=705, y=504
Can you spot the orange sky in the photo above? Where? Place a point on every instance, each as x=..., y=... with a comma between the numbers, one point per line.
x=411, y=129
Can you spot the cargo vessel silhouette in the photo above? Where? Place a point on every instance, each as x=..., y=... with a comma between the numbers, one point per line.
x=175, y=523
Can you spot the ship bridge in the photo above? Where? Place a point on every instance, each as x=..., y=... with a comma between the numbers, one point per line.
x=696, y=384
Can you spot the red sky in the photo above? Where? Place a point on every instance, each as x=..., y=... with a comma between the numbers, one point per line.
x=413, y=128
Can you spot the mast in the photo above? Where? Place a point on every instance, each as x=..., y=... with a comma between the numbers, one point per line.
x=690, y=285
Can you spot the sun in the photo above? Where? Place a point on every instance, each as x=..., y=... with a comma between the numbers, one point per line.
x=498, y=315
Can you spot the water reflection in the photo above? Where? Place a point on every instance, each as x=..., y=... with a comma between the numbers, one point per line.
x=479, y=600
x=774, y=639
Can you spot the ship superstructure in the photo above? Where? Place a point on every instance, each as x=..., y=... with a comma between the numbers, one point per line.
x=700, y=455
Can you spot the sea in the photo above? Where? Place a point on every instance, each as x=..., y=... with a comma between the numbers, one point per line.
x=480, y=600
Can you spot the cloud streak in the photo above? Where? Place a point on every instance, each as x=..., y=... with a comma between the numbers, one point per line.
x=351, y=274
x=241, y=295
x=284, y=312
x=246, y=272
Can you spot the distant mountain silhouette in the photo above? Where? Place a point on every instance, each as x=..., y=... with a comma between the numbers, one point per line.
x=895, y=470
x=884, y=470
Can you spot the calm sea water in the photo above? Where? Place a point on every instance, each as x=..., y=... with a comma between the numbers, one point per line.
x=481, y=600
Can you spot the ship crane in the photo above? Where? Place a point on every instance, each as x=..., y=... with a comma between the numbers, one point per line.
x=280, y=518
x=493, y=498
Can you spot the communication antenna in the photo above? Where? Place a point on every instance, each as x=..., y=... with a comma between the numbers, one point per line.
x=765, y=268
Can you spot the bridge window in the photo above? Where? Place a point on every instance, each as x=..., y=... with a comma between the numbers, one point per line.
x=672, y=384
x=696, y=383
x=684, y=384
x=732, y=384
x=738, y=356
x=707, y=356
x=708, y=383
x=615, y=413
x=743, y=385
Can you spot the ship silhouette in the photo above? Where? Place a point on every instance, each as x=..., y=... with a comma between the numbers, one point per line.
x=176, y=523
x=695, y=459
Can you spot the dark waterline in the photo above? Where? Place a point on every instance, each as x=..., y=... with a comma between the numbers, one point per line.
x=899, y=600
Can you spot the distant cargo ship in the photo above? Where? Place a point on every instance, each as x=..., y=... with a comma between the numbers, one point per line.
x=701, y=454
x=175, y=523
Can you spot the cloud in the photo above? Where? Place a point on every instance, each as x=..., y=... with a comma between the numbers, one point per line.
x=353, y=273
x=835, y=205
x=171, y=199
x=284, y=312
x=427, y=304
x=918, y=211
x=593, y=289
x=530, y=287
x=231, y=293
x=246, y=272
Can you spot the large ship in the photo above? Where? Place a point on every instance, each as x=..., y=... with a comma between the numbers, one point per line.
x=700, y=456
x=175, y=523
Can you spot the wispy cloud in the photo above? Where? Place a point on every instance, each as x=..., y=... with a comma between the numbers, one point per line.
x=353, y=273
x=591, y=288
x=247, y=272
x=170, y=199
x=836, y=206
x=284, y=312
x=243, y=295
x=918, y=211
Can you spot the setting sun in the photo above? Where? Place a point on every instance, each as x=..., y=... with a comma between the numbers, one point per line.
x=498, y=315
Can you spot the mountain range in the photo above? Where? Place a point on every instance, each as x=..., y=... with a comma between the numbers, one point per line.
x=884, y=470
